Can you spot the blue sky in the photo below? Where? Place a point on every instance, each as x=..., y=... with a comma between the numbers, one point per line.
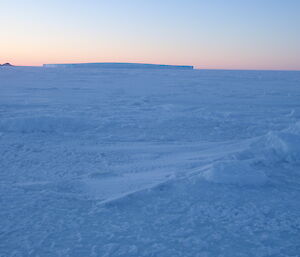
x=232, y=34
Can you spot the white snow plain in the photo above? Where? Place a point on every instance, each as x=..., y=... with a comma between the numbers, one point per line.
x=149, y=163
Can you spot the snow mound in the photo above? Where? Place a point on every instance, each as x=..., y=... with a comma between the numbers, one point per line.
x=294, y=129
x=43, y=124
x=275, y=147
x=281, y=147
x=246, y=167
x=235, y=172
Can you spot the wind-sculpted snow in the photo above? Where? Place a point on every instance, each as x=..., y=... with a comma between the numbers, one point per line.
x=245, y=167
x=235, y=172
x=275, y=147
x=149, y=163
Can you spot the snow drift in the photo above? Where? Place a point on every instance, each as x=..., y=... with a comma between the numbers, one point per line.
x=275, y=147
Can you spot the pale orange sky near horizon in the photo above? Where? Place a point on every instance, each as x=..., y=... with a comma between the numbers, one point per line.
x=213, y=34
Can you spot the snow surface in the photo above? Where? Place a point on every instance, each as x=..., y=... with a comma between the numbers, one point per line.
x=149, y=162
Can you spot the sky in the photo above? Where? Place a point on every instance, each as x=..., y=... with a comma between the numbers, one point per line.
x=209, y=34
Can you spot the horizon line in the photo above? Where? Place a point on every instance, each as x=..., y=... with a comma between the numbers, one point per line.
x=195, y=67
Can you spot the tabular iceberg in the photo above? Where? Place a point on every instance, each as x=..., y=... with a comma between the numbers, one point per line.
x=112, y=65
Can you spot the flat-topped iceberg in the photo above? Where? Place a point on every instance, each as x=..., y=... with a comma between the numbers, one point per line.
x=112, y=65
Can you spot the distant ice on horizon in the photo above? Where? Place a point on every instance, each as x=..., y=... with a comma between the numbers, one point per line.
x=115, y=65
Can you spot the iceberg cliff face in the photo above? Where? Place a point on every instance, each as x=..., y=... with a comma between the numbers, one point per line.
x=118, y=66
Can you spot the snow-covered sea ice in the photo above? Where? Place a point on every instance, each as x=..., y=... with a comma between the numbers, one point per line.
x=133, y=162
